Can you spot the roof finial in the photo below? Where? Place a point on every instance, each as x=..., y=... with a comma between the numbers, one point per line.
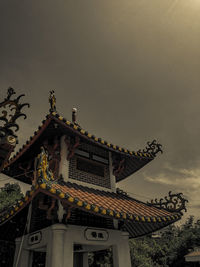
x=74, y=114
x=52, y=101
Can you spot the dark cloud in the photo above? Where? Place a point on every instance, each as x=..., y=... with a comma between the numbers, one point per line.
x=131, y=68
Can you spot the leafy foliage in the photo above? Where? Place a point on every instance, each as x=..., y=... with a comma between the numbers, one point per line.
x=9, y=194
x=168, y=250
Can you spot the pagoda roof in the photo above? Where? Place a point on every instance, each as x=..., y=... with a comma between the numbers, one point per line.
x=134, y=159
x=138, y=218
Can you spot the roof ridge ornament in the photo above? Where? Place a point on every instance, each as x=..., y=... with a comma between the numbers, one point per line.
x=171, y=203
x=12, y=105
x=152, y=148
x=74, y=114
x=52, y=101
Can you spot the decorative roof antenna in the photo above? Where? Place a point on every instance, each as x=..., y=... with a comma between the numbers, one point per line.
x=52, y=101
x=74, y=115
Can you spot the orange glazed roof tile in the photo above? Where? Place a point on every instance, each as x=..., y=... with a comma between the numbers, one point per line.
x=109, y=201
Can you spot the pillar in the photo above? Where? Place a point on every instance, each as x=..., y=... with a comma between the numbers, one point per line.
x=121, y=252
x=85, y=259
x=68, y=260
x=55, y=248
x=21, y=255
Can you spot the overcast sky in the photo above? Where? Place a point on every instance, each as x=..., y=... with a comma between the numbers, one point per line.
x=131, y=67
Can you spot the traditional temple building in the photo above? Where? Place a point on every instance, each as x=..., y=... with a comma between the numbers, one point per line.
x=74, y=206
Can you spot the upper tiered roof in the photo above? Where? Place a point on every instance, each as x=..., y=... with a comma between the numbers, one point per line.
x=133, y=160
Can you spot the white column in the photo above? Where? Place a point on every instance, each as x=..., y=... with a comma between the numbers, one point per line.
x=55, y=248
x=85, y=259
x=17, y=247
x=68, y=250
x=112, y=177
x=22, y=256
x=64, y=163
x=121, y=252
x=29, y=217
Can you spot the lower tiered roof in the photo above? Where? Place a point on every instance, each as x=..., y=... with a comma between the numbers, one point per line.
x=136, y=217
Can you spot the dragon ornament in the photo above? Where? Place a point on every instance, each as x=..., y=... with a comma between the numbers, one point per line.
x=171, y=203
x=43, y=170
x=152, y=148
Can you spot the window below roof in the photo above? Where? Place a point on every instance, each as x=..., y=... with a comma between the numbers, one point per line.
x=89, y=171
x=92, y=156
x=82, y=153
x=90, y=166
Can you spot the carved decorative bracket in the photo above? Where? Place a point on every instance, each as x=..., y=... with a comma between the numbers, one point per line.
x=68, y=210
x=72, y=146
x=26, y=169
x=172, y=203
x=53, y=155
x=118, y=167
x=46, y=207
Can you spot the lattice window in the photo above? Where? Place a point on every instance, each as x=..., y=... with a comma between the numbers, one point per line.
x=90, y=166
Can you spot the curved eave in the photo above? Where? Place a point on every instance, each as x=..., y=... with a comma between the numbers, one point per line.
x=147, y=157
x=135, y=224
x=99, y=141
x=76, y=198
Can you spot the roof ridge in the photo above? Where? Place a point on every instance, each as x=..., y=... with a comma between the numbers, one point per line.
x=138, y=154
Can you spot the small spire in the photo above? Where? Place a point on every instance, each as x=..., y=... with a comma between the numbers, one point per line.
x=74, y=114
x=52, y=101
